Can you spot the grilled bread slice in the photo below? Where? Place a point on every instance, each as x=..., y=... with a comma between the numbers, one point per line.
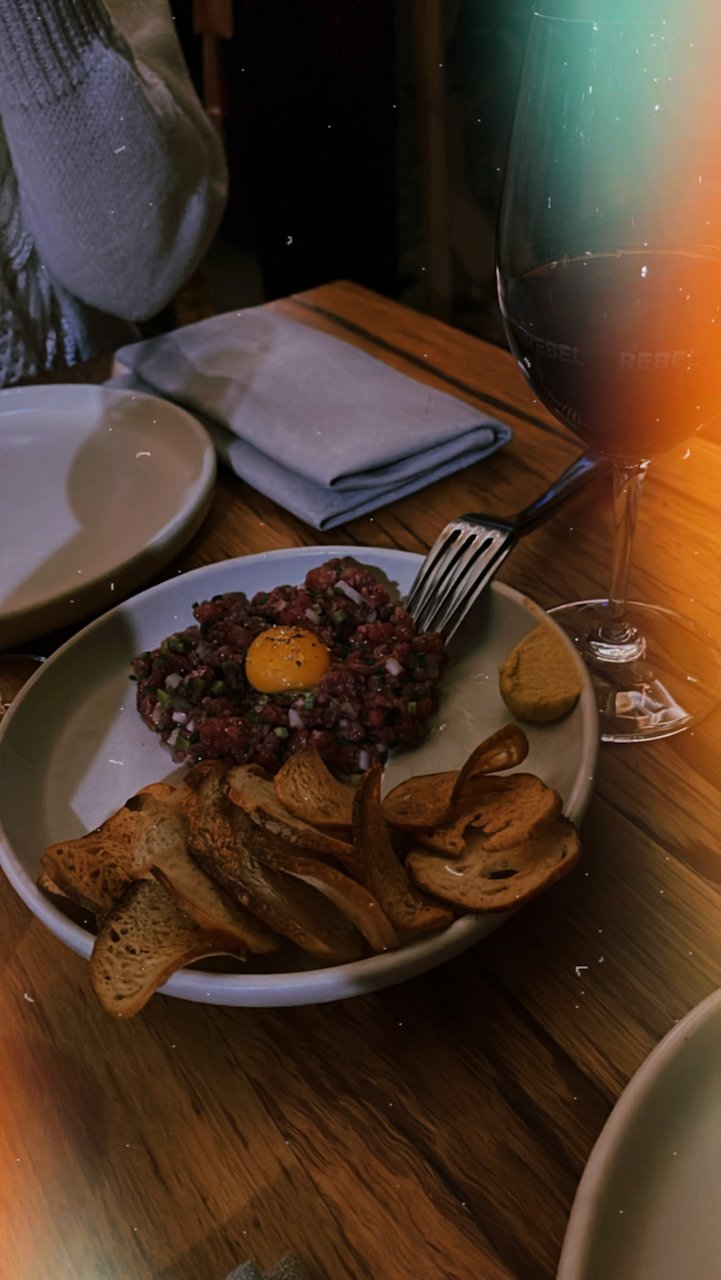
x=143, y=940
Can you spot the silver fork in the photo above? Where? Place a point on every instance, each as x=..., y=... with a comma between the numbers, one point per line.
x=469, y=551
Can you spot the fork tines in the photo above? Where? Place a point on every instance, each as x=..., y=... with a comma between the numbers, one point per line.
x=455, y=571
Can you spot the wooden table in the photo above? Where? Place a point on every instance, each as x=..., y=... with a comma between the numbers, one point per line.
x=438, y=1128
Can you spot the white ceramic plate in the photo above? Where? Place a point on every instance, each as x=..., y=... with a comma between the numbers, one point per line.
x=648, y=1206
x=73, y=749
x=100, y=488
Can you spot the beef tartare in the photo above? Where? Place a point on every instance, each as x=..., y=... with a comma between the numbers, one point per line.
x=381, y=685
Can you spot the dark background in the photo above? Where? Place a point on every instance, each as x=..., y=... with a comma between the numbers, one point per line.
x=324, y=150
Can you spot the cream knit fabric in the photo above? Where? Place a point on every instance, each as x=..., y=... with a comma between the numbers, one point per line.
x=112, y=181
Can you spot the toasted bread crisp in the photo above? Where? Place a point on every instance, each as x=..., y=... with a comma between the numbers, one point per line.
x=356, y=902
x=306, y=788
x=380, y=868
x=234, y=862
x=507, y=810
x=228, y=845
x=428, y=800
x=95, y=869
x=146, y=839
x=484, y=879
x=144, y=939
x=194, y=891
x=253, y=791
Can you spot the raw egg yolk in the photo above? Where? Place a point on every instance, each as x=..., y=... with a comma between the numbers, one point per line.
x=284, y=658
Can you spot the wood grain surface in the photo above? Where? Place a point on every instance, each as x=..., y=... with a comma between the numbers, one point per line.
x=438, y=1128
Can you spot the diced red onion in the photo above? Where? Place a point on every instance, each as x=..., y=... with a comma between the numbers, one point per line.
x=393, y=667
x=173, y=680
x=311, y=615
x=173, y=737
x=156, y=714
x=363, y=760
x=179, y=717
x=295, y=719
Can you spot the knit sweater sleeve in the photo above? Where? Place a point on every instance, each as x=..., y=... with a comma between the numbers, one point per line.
x=121, y=177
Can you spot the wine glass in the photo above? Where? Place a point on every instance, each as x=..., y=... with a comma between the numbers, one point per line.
x=609, y=281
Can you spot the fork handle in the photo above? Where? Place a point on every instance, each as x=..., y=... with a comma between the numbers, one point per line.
x=583, y=469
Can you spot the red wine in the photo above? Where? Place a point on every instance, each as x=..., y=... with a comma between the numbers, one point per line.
x=625, y=348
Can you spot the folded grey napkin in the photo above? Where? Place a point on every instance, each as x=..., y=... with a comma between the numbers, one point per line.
x=324, y=429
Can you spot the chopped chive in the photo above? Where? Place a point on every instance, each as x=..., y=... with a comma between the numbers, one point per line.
x=280, y=731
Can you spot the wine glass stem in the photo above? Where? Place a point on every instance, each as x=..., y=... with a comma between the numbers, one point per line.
x=616, y=639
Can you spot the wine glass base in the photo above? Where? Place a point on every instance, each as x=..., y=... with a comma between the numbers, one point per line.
x=672, y=686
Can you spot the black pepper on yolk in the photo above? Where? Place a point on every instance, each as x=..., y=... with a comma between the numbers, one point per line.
x=285, y=658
